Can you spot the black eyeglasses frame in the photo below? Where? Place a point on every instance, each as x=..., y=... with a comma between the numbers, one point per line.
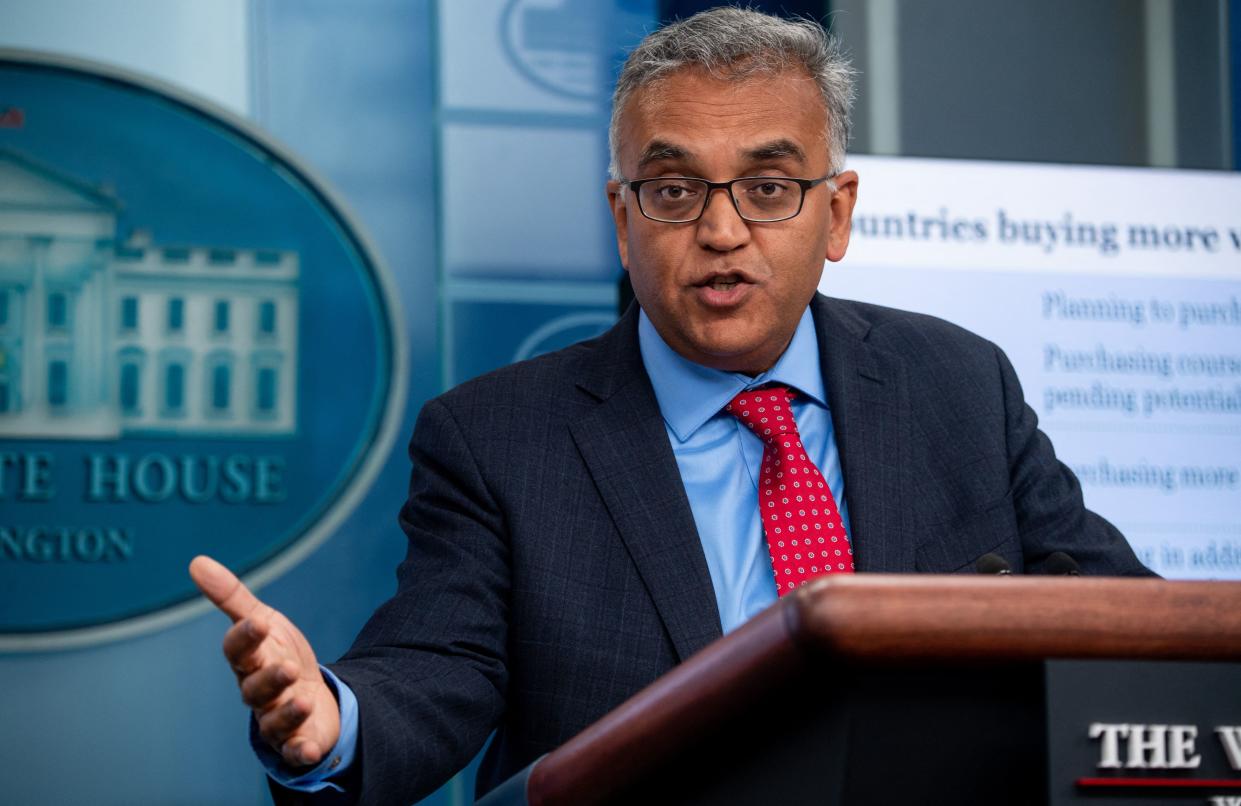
x=804, y=184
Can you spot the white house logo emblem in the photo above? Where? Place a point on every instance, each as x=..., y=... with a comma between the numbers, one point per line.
x=197, y=354
x=102, y=338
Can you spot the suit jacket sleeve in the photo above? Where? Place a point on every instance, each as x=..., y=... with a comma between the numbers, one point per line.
x=429, y=668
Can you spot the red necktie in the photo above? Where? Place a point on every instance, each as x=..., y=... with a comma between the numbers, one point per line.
x=805, y=536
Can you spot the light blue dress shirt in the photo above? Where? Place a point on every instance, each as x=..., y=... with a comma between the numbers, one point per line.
x=719, y=460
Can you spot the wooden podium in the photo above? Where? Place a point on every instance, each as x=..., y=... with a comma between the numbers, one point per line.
x=873, y=689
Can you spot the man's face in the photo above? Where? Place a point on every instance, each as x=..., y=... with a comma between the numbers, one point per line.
x=721, y=291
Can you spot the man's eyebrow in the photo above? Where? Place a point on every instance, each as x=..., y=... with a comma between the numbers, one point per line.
x=659, y=151
x=662, y=150
x=776, y=149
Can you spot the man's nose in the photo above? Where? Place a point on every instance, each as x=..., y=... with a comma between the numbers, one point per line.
x=721, y=227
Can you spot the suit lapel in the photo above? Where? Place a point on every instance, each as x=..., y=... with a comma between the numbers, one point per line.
x=868, y=394
x=626, y=450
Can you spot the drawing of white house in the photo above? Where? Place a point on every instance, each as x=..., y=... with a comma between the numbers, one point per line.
x=101, y=338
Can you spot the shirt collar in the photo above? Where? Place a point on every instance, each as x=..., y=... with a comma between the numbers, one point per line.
x=689, y=394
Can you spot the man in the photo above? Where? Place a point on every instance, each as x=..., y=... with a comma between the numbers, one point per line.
x=580, y=523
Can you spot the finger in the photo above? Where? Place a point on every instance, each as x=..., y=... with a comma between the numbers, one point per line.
x=302, y=752
x=277, y=725
x=242, y=643
x=261, y=689
x=222, y=587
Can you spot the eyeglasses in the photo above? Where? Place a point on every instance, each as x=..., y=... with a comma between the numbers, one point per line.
x=761, y=199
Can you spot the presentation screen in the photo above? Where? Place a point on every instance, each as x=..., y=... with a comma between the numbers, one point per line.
x=1116, y=294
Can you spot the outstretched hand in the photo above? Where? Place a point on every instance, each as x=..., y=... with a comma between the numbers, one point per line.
x=276, y=669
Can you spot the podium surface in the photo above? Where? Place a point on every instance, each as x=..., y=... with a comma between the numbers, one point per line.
x=916, y=689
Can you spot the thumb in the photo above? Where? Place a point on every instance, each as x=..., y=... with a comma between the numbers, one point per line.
x=222, y=587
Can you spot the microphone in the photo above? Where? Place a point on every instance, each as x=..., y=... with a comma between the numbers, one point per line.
x=992, y=563
x=1061, y=564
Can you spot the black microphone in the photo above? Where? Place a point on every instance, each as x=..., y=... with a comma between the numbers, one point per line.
x=1060, y=564
x=991, y=563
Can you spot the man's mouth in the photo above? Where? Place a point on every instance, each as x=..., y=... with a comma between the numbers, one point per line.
x=724, y=290
x=723, y=282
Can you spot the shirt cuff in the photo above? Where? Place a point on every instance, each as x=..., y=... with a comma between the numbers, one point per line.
x=335, y=763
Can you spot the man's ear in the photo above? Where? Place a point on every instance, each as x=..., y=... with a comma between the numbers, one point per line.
x=620, y=216
x=842, y=214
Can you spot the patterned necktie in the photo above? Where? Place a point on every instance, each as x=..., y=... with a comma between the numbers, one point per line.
x=805, y=536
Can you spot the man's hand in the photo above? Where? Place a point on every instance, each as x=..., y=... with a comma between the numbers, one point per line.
x=276, y=669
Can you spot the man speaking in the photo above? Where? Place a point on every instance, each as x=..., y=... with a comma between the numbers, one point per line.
x=580, y=523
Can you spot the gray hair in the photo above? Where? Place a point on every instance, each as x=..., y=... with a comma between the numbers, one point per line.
x=737, y=44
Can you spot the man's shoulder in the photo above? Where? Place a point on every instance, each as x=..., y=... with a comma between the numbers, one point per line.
x=902, y=331
x=547, y=381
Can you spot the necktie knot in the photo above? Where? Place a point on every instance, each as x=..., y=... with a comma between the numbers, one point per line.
x=765, y=411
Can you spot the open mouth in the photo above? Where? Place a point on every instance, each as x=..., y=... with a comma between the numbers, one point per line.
x=723, y=282
x=724, y=290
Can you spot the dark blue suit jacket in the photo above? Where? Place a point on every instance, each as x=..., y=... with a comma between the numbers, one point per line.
x=554, y=568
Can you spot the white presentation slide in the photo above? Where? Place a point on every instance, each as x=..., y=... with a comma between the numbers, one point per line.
x=1116, y=294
